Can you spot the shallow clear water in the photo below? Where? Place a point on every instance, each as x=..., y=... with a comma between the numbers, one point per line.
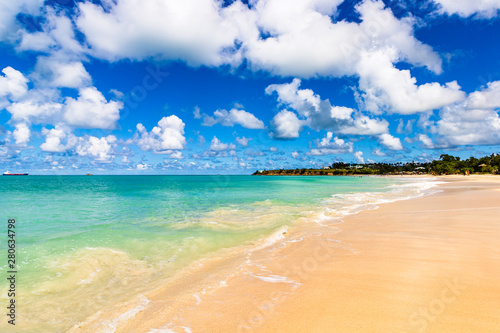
x=84, y=242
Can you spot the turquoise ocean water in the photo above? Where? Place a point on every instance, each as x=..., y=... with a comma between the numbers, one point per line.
x=84, y=242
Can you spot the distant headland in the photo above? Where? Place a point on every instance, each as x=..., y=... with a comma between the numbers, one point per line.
x=446, y=165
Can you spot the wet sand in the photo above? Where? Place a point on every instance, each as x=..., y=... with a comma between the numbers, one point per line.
x=430, y=264
x=425, y=265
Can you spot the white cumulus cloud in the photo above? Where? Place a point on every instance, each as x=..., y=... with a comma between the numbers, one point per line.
x=331, y=145
x=386, y=88
x=217, y=145
x=21, y=134
x=142, y=166
x=99, y=149
x=466, y=8
x=475, y=121
x=10, y=10
x=195, y=31
x=460, y=125
x=62, y=73
x=13, y=85
x=378, y=152
x=91, y=110
x=359, y=157
x=285, y=38
x=426, y=141
x=167, y=136
x=233, y=117
x=487, y=98
x=286, y=125
x=303, y=41
x=243, y=141
x=390, y=142
x=319, y=114
x=176, y=155
x=58, y=140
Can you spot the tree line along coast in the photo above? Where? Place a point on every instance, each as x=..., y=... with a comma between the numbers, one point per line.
x=446, y=165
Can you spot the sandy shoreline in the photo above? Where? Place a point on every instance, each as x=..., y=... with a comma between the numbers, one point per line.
x=429, y=264
x=424, y=265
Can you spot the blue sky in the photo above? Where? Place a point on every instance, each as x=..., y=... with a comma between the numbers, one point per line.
x=204, y=86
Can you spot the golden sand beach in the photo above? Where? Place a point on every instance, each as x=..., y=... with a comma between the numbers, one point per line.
x=424, y=265
x=430, y=264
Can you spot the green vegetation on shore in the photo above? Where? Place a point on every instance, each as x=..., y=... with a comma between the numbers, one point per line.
x=446, y=165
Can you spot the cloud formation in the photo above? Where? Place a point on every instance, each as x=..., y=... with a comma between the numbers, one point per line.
x=318, y=114
x=10, y=11
x=386, y=88
x=21, y=134
x=217, y=145
x=13, y=86
x=99, y=149
x=58, y=139
x=390, y=142
x=231, y=118
x=91, y=110
x=298, y=39
x=55, y=101
x=243, y=141
x=466, y=8
x=126, y=30
x=487, y=98
x=331, y=145
x=286, y=125
x=167, y=136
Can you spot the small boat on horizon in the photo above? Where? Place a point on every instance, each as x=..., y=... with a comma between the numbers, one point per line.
x=7, y=173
